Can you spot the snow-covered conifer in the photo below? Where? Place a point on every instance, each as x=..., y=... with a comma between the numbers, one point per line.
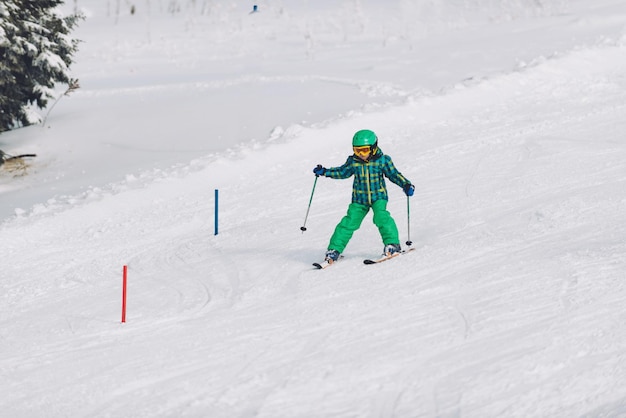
x=36, y=52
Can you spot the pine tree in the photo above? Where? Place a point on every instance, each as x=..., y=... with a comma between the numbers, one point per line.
x=36, y=52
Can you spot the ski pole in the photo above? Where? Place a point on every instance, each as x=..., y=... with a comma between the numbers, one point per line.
x=303, y=227
x=408, y=221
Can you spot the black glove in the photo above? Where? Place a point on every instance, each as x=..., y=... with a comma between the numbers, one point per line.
x=409, y=189
x=319, y=170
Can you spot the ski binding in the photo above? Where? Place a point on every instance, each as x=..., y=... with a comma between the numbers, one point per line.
x=386, y=257
x=326, y=263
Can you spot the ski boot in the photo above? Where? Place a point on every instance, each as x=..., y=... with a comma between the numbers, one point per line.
x=391, y=249
x=332, y=256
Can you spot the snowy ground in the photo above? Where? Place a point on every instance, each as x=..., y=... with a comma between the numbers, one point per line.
x=509, y=117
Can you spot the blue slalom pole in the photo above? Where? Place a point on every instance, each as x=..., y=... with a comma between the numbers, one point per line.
x=216, y=208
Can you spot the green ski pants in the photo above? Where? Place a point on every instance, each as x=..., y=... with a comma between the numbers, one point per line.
x=353, y=219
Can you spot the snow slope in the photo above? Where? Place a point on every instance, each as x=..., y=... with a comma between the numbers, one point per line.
x=508, y=118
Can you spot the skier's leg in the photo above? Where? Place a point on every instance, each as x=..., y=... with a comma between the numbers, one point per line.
x=385, y=223
x=346, y=227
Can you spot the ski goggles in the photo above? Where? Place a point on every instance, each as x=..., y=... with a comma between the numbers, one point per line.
x=362, y=152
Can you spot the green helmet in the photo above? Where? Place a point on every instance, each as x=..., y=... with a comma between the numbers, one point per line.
x=363, y=138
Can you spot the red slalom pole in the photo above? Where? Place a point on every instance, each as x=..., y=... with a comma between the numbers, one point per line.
x=124, y=293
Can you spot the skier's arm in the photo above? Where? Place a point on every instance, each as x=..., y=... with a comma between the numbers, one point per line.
x=342, y=172
x=392, y=173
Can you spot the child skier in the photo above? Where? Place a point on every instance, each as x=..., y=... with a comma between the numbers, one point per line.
x=369, y=166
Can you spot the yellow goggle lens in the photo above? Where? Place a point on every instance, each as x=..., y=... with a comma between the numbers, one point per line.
x=362, y=150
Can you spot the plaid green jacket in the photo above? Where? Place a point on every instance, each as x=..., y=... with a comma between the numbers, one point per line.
x=369, y=177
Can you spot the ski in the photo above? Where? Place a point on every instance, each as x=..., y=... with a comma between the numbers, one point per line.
x=325, y=263
x=386, y=257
